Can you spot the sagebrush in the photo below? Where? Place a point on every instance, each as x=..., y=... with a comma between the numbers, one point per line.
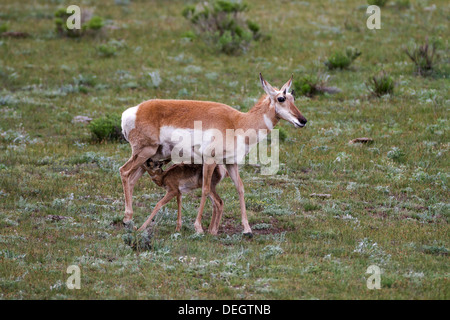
x=223, y=24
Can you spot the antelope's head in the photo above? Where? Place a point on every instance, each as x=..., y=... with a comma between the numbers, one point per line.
x=283, y=102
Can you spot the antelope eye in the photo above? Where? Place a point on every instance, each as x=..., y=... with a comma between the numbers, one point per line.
x=293, y=94
x=281, y=99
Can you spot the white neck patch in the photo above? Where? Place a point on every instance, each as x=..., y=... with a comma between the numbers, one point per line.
x=268, y=122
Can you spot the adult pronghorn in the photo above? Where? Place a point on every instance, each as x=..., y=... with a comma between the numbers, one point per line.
x=150, y=126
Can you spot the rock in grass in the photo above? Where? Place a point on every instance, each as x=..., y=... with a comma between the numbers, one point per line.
x=361, y=140
x=15, y=34
x=82, y=119
x=320, y=195
x=53, y=217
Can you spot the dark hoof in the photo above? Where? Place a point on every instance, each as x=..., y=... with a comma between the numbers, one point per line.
x=248, y=235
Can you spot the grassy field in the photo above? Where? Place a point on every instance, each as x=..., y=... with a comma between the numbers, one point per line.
x=61, y=197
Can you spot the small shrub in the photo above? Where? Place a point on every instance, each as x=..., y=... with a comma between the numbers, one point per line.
x=379, y=3
x=107, y=128
x=255, y=29
x=189, y=35
x=221, y=24
x=111, y=48
x=381, y=84
x=95, y=23
x=423, y=57
x=105, y=50
x=396, y=154
x=4, y=27
x=312, y=85
x=342, y=60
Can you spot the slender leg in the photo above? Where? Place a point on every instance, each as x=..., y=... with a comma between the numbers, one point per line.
x=208, y=170
x=217, y=214
x=130, y=173
x=179, y=212
x=215, y=211
x=158, y=206
x=233, y=171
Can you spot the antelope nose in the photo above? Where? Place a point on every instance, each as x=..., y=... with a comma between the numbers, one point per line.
x=302, y=120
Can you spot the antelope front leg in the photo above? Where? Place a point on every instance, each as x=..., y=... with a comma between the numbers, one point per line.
x=208, y=170
x=233, y=171
x=129, y=179
x=130, y=173
x=134, y=178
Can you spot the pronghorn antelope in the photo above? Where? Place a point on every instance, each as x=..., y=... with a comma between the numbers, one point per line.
x=183, y=178
x=150, y=126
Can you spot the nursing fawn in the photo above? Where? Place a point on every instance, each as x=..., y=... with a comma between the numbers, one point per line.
x=183, y=178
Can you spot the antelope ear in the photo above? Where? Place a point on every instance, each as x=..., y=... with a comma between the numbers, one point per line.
x=267, y=87
x=287, y=85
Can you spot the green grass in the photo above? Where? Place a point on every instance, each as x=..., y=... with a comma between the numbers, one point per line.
x=389, y=200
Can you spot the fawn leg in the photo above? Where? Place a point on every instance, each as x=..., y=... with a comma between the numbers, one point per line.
x=217, y=214
x=159, y=205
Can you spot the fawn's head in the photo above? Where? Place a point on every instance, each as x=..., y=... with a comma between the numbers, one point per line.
x=283, y=102
x=154, y=168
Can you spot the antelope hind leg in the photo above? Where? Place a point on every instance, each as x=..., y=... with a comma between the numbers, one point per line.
x=208, y=170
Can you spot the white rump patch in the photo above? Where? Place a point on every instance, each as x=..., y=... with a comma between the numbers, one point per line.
x=129, y=120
